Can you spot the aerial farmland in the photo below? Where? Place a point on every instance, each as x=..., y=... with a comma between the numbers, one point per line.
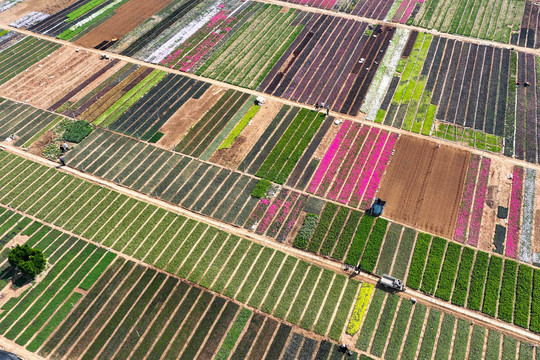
x=270, y=179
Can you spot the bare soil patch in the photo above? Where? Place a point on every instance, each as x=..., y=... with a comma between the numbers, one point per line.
x=423, y=184
x=45, y=6
x=46, y=82
x=37, y=146
x=127, y=17
x=17, y=240
x=498, y=194
x=192, y=111
x=233, y=156
x=326, y=141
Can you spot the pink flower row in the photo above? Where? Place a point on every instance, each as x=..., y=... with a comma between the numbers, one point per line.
x=368, y=170
x=293, y=217
x=348, y=163
x=466, y=200
x=323, y=166
x=358, y=166
x=271, y=212
x=379, y=171
x=257, y=213
x=479, y=199
x=512, y=236
x=282, y=215
x=338, y=159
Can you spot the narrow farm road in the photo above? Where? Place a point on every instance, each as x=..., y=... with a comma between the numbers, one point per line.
x=471, y=316
x=359, y=119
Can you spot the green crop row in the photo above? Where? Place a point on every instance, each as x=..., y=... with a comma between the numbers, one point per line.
x=317, y=298
x=359, y=241
x=302, y=297
x=523, y=296
x=239, y=127
x=433, y=266
x=418, y=261
x=478, y=280
x=448, y=271
x=508, y=291
x=334, y=231
x=493, y=283
x=328, y=308
x=343, y=310
x=83, y=9
x=322, y=228
x=261, y=188
x=535, y=303
x=461, y=286
x=306, y=231
x=373, y=247
x=346, y=235
x=370, y=320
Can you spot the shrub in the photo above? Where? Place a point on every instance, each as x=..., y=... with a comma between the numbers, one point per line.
x=359, y=241
x=493, y=283
x=462, y=280
x=52, y=151
x=523, y=296
x=261, y=188
x=433, y=267
x=535, y=305
x=418, y=260
x=508, y=291
x=373, y=247
x=30, y=262
x=478, y=279
x=306, y=231
x=76, y=131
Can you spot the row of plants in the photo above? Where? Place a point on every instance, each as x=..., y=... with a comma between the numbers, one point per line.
x=181, y=246
x=479, y=282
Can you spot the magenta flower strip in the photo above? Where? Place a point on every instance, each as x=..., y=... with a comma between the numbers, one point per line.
x=512, y=236
x=462, y=222
x=338, y=160
x=259, y=211
x=293, y=217
x=407, y=12
x=282, y=215
x=400, y=10
x=346, y=166
x=368, y=170
x=479, y=200
x=379, y=171
x=328, y=158
x=358, y=166
x=271, y=212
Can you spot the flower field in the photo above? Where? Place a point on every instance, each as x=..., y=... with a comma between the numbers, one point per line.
x=219, y=161
x=439, y=89
x=352, y=168
x=511, y=22
x=393, y=328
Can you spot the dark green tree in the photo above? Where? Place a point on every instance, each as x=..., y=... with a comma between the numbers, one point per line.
x=30, y=262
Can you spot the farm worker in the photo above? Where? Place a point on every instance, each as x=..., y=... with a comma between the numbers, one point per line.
x=62, y=161
x=65, y=146
x=317, y=106
x=327, y=111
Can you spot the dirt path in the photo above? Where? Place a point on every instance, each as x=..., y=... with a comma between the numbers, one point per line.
x=471, y=316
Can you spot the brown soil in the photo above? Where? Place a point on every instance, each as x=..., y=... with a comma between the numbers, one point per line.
x=97, y=81
x=423, y=184
x=46, y=82
x=17, y=240
x=182, y=120
x=44, y=6
x=233, y=156
x=40, y=144
x=326, y=141
x=499, y=189
x=128, y=17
